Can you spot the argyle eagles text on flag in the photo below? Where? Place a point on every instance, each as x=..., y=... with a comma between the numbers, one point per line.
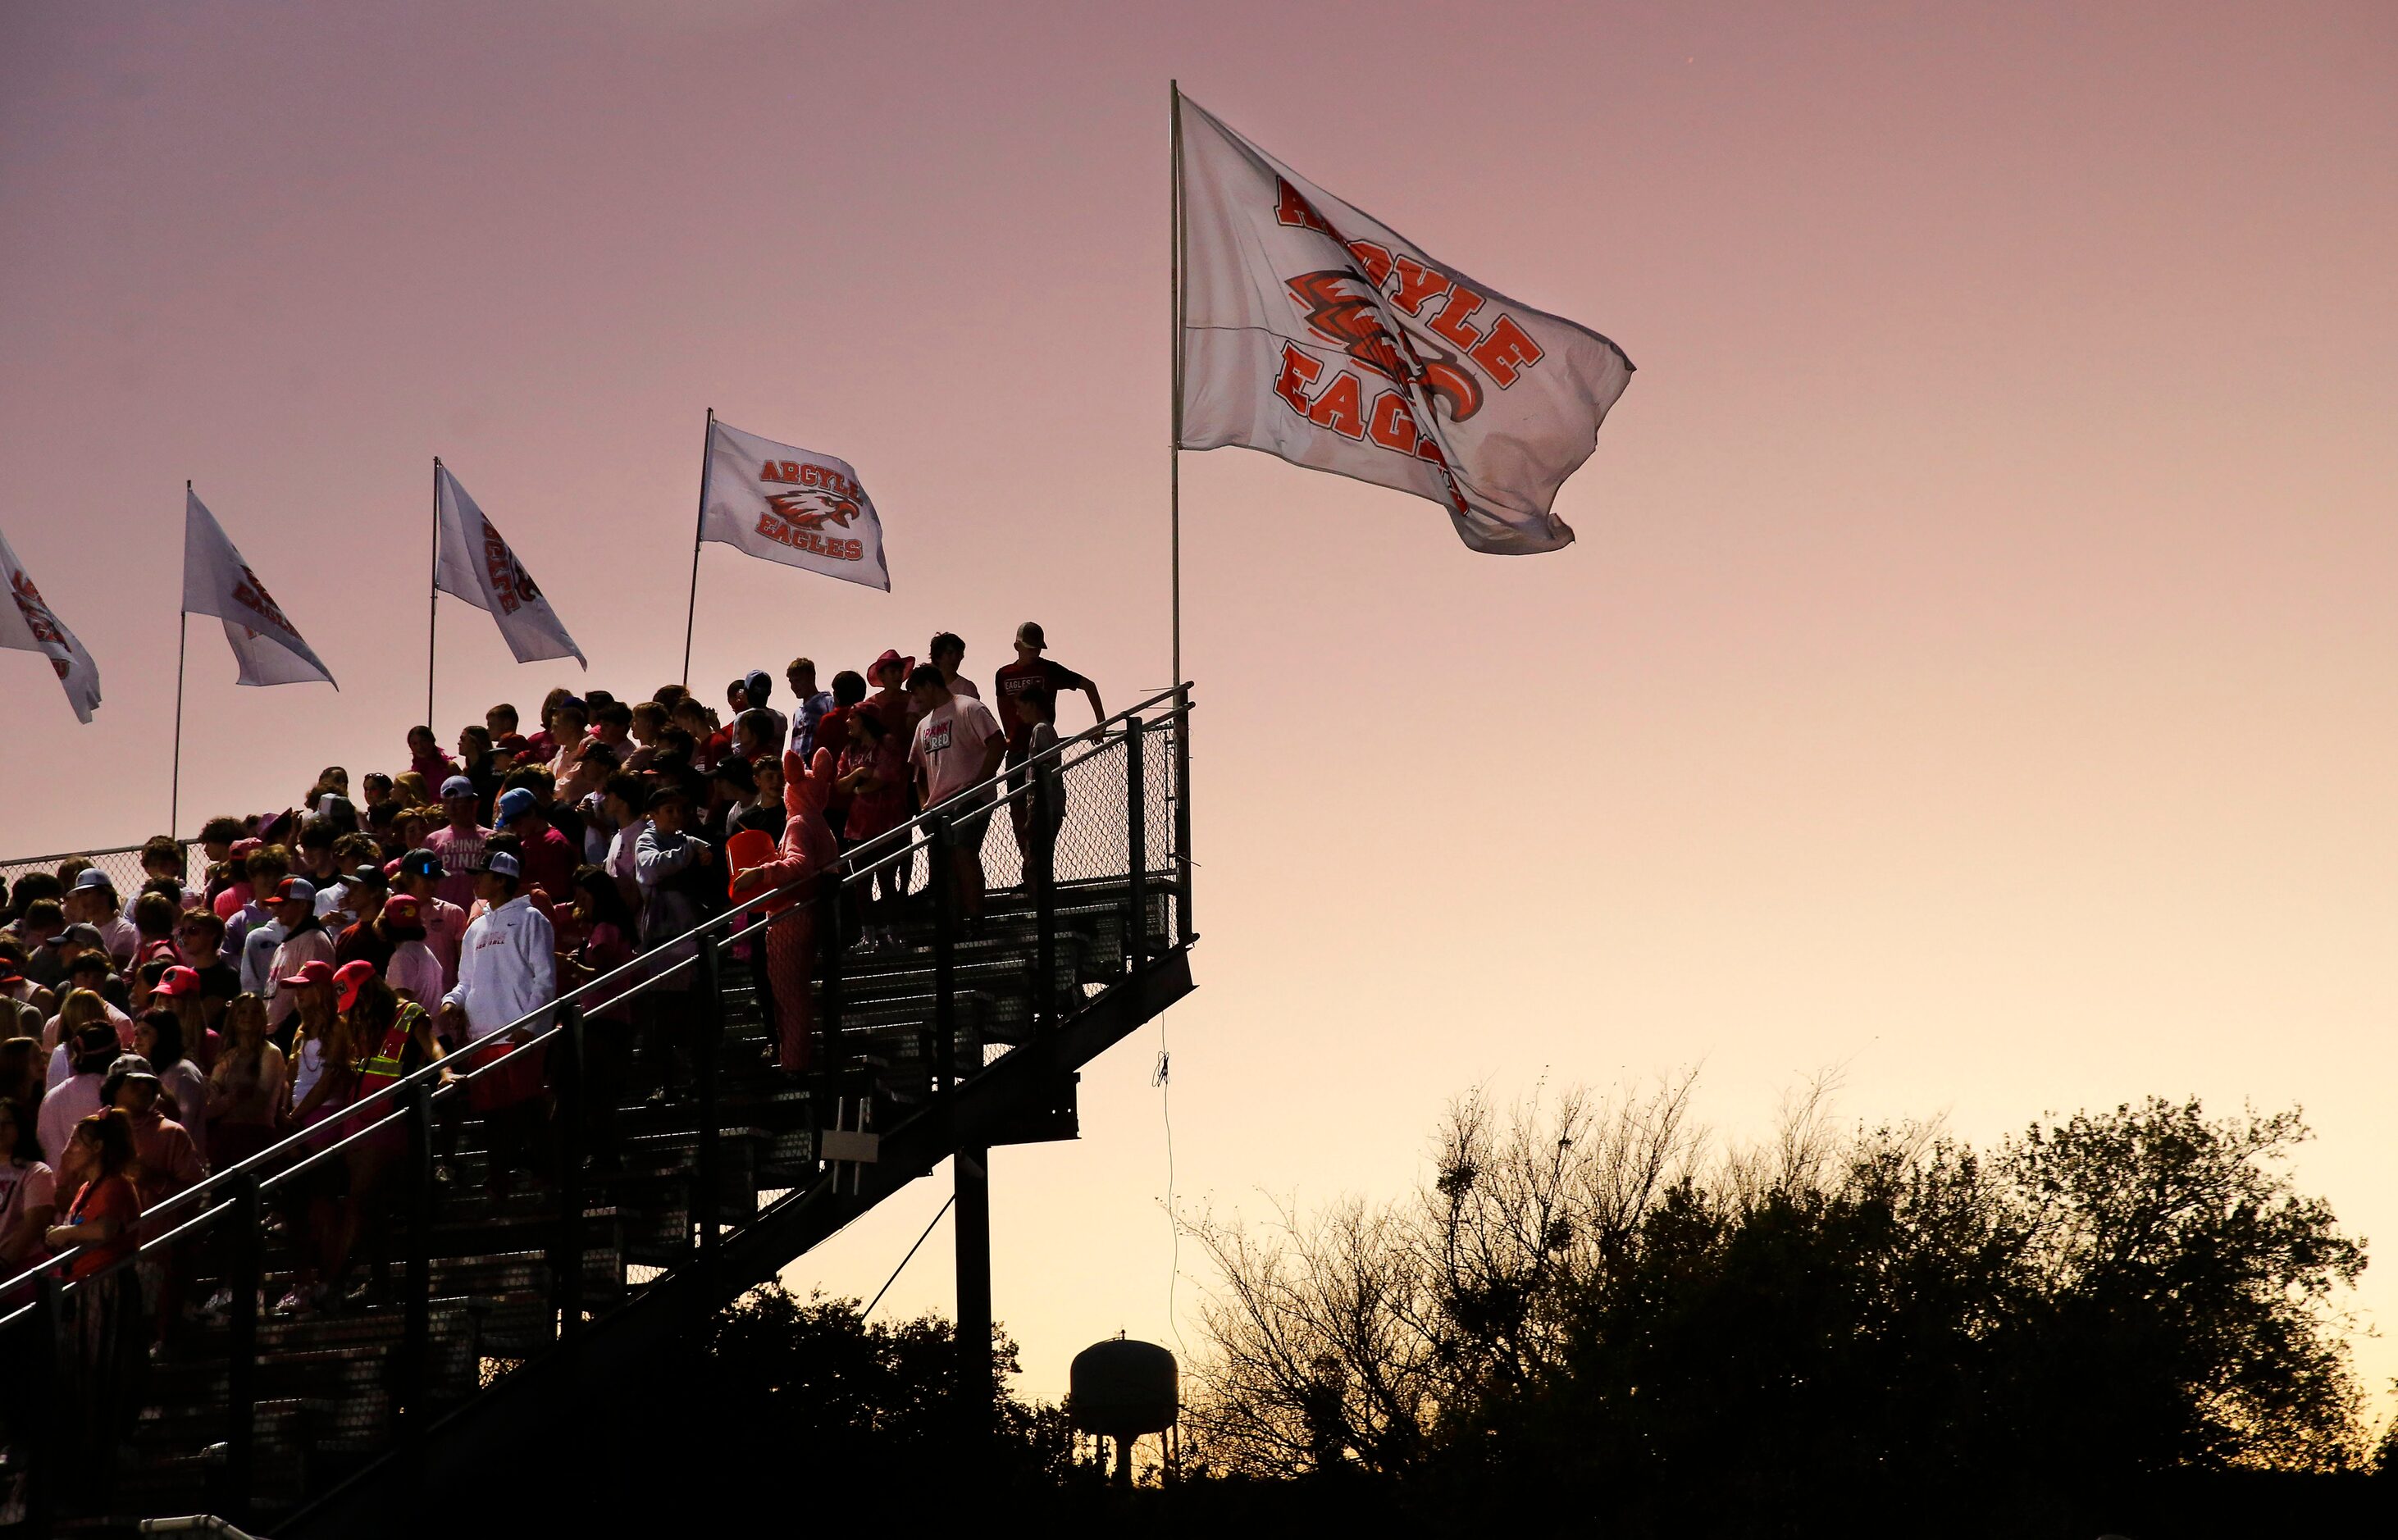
x=1314, y=333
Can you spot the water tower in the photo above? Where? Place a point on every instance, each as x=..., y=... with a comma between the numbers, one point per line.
x=1122, y=1389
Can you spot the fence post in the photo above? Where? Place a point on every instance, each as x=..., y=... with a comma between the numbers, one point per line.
x=1043, y=879
x=41, y=1492
x=1135, y=846
x=945, y=956
x=1184, y=932
x=709, y=1032
x=832, y=947
x=831, y=950
x=249, y=1221
x=416, y=1195
x=566, y=1278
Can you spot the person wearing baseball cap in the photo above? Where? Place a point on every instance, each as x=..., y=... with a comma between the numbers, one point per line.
x=158, y=1038
x=507, y=974
x=369, y=888
x=461, y=843
x=545, y=858
x=90, y=1049
x=180, y=993
x=413, y=968
x=757, y=688
x=166, y=1160
x=91, y=970
x=672, y=868
x=304, y=941
x=93, y=901
x=1033, y=673
x=315, y=971
x=418, y=875
x=346, y=978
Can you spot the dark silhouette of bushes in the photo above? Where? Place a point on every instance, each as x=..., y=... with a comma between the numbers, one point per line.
x=1581, y=1310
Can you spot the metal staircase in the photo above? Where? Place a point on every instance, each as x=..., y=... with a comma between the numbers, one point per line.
x=486, y=1314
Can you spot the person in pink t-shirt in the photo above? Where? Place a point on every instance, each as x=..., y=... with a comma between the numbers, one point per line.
x=460, y=844
x=418, y=874
x=958, y=745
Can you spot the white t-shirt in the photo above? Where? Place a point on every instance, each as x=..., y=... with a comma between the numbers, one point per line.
x=312, y=1067
x=950, y=745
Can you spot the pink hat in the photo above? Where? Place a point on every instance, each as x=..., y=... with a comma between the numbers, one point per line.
x=315, y=971
x=346, y=978
x=890, y=656
x=176, y=982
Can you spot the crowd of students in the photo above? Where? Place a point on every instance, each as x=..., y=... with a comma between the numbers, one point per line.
x=432, y=914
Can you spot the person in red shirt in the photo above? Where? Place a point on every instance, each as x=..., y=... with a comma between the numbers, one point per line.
x=424, y=757
x=101, y=1219
x=873, y=777
x=361, y=940
x=1030, y=668
x=546, y=858
x=1033, y=672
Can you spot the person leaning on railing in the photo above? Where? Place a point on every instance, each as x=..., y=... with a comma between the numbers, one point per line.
x=958, y=747
x=507, y=974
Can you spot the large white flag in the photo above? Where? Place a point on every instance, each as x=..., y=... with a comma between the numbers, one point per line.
x=476, y=565
x=1314, y=332
x=29, y=624
x=218, y=582
x=791, y=505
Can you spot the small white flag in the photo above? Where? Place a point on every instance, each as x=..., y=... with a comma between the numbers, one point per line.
x=791, y=505
x=29, y=624
x=1314, y=332
x=218, y=582
x=478, y=566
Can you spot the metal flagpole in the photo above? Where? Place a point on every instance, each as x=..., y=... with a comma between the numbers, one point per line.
x=183, y=634
x=691, y=614
x=433, y=598
x=1174, y=310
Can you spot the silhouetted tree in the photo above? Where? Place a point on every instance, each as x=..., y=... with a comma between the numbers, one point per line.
x=1574, y=1306
x=866, y=1400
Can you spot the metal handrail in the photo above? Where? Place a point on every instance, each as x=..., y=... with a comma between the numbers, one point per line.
x=861, y=860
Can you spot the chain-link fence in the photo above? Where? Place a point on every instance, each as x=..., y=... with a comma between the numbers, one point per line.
x=1090, y=791
x=123, y=864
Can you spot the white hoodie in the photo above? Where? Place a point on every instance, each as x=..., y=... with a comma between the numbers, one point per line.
x=507, y=968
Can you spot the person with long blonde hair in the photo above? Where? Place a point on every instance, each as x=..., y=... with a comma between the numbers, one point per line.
x=247, y=1087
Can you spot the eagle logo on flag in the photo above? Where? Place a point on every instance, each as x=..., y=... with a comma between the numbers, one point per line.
x=1341, y=308
x=812, y=510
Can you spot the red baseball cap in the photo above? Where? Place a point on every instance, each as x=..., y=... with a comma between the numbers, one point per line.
x=176, y=982
x=401, y=909
x=315, y=971
x=348, y=977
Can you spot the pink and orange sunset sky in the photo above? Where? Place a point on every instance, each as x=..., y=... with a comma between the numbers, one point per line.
x=1977, y=672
